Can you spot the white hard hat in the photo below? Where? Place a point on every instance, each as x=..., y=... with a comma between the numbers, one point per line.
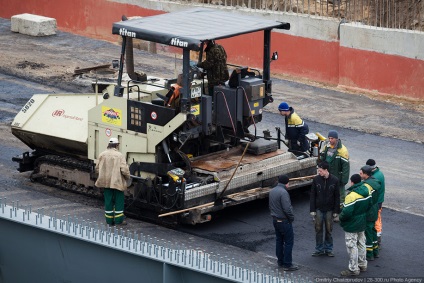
x=113, y=141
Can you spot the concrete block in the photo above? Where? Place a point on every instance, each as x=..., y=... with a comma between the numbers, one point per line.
x=33, y=25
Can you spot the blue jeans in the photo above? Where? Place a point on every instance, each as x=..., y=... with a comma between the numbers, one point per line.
x=324, y=219
x=284, y=242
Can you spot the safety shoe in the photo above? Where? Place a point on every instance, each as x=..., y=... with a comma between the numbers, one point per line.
x=330, y=254
x=362, y=268
x=318, y=253
x=291, y=268
x=348, y=272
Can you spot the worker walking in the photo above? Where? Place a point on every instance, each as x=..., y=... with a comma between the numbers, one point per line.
x=376, y=173
x=324, y=206
x=296, y=128
x=215, y=65
x=282, y=215
x=337, y=156
x=353, y=219
x=113, y=173
x=373, y=186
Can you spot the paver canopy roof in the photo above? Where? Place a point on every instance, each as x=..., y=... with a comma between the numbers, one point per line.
x=187, y=29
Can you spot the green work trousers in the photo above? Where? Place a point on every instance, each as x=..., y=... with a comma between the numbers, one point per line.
x=371, y=240
x=114, y=206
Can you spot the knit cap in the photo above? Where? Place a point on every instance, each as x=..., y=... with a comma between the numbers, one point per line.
x=367, y=170
x=283, y=107
x=333, y=134
x=371, y=162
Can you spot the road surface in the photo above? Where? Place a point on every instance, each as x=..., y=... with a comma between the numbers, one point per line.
x=245, y=233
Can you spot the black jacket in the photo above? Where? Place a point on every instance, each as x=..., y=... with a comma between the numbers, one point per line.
x=325, y=194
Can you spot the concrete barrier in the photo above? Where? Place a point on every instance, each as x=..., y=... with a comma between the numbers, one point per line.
x=33, y=25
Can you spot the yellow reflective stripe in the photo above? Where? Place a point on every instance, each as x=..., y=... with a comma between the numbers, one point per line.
x=352, y=197
x=119, y=215
x=349, y=202
x=343, y=152
x=370, y=189
x=109, y=216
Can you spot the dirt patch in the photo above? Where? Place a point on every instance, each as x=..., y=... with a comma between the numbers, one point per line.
x=31, y=65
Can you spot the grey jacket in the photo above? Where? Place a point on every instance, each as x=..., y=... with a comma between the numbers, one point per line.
x=280, y=203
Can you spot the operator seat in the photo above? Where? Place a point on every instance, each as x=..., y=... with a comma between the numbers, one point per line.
x=238, y=74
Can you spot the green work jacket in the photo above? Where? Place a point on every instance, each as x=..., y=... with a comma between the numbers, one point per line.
x=358, y=201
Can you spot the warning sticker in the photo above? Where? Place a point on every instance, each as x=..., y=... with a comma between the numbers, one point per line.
x=112, y=115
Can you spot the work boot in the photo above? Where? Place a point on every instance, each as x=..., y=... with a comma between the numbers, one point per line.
x=330, y=254
x=348, y=272
x=362, y=268
x=291, y=268
x=318, y=253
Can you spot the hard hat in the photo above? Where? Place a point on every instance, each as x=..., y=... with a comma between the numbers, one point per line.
x=113, y=141
x=283, y=107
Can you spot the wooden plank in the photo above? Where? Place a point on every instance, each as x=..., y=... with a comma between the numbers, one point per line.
x=79, y=71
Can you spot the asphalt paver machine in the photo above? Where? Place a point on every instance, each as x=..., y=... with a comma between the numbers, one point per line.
x=188, y=160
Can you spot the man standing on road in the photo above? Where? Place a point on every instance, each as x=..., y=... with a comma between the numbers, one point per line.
x=215, y=65
x=353, y=220
x=324, y=206
x=113, y=175
x=373, y=186
x=282, y=214
x=296, y=128
x=376, y=173
x=337, y=156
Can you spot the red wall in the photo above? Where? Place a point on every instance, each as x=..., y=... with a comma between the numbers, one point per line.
x=92, y=18
x=317, y=60
x=381, y=72
x=297, y=56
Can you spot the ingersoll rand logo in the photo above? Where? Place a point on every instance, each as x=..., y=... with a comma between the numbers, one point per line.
x=178, y=42
x=58, y=113
x=125, y=32
x=61, y=113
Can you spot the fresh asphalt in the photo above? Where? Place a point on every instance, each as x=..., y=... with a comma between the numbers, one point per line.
x=245, y=233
